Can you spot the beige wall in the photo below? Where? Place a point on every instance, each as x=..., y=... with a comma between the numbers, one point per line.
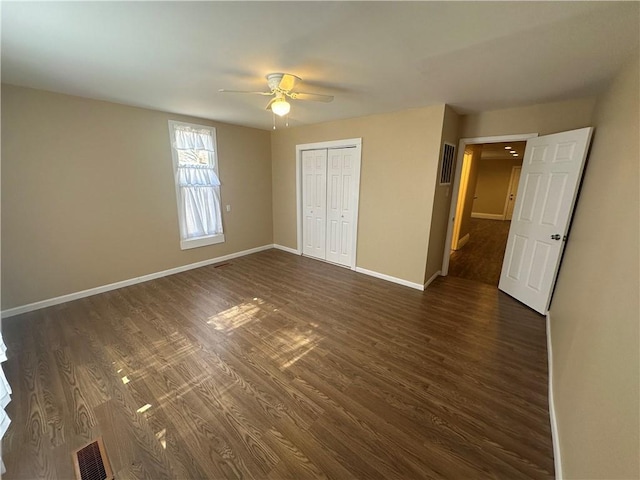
x=492, y=184
x=88, y=195
x=595, y=314
x=543, y=119
x=441, y=200
x=398, y=175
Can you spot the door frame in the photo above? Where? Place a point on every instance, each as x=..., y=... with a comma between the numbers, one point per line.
x=333, y=144
x=506, y=201
x=462, y=145
x=462, y=190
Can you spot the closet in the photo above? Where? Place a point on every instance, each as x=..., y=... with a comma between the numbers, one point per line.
x=330, y=187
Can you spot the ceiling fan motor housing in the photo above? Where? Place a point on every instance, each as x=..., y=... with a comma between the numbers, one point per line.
x=274, y=79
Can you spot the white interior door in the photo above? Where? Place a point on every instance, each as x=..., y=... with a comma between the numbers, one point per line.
x=340, y=205
x=549, y=181
x=314, y=174
x=513, y=192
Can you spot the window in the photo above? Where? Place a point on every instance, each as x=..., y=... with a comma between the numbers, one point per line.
x=195, y=168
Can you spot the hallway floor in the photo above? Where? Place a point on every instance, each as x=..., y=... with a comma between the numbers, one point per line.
x=481, y=258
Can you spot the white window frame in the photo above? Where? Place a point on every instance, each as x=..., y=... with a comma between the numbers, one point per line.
x=187, y=243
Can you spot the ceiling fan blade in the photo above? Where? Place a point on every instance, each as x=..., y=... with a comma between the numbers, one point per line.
x=269, y=104
x=316, y=97
x=288, y=82
x=224, y=90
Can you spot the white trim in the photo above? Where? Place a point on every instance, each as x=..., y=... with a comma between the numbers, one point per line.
x=456, y=183
x=557, y=459
x=188, y=243
x=506, y=201
x=346, y=143
x=389, y=278
x=286, y=249
x=487, y=216
x=433, y=277
x=364, y=271
x=463, y=241
x=125, y=283
x=456, y=221
x=201, y=241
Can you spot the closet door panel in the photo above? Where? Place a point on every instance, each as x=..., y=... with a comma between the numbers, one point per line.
x=314, y=168
x=341, y=204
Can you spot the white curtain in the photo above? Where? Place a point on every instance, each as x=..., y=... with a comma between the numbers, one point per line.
x=193, y=139
x=198, y=182
x=5, y=398
x=199, y=200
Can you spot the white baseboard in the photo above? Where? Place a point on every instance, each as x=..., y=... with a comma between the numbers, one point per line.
x=286, y=249
x=433, y=277
x=463, y=241
x=145, y=278
x=488, y=216
x=389, y=278
x=557, y=459
x=125, y=283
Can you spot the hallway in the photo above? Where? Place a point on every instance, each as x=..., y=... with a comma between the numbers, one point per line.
x=481, y=258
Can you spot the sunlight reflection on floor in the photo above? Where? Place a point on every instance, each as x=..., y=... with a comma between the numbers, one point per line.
x=288, y=342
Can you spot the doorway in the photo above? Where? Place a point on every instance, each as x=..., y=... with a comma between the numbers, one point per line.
x=486, y=183
x=550, y=178
x=488, y=190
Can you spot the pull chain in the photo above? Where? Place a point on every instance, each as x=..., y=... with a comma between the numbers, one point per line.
x=274, y=121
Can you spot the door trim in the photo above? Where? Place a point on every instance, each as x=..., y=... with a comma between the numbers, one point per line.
x=464, y=185
x=456, y=183
x=346, y=143
x=506, y=201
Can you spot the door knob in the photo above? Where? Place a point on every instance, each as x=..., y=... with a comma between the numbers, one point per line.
x=555, y=236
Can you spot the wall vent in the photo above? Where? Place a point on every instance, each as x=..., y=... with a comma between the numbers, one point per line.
x=446, y=165
x=91, y=462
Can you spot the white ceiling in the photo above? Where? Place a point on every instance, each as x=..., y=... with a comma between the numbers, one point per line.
x=372, y=56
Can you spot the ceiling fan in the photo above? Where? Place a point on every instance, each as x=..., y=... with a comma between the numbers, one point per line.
x=282, y=85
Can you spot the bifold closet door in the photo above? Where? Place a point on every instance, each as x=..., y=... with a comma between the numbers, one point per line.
x=314, y=174
x=340, y=205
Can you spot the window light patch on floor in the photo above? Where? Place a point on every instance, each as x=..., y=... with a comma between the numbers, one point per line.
x=293, y=345
x=162, y=437
x=237, y=316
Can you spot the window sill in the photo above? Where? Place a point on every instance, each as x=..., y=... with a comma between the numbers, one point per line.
x=201, y=241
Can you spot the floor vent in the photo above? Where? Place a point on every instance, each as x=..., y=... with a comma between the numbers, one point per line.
x=91, y=462
x=220, y=265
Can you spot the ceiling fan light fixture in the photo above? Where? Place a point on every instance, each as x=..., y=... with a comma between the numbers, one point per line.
x=280, y=107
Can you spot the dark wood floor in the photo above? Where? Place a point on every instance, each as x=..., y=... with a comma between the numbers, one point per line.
x=278, y=366
x=480, y=259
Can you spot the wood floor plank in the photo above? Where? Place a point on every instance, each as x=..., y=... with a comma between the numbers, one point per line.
x=481, y=257
x=277, y=366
